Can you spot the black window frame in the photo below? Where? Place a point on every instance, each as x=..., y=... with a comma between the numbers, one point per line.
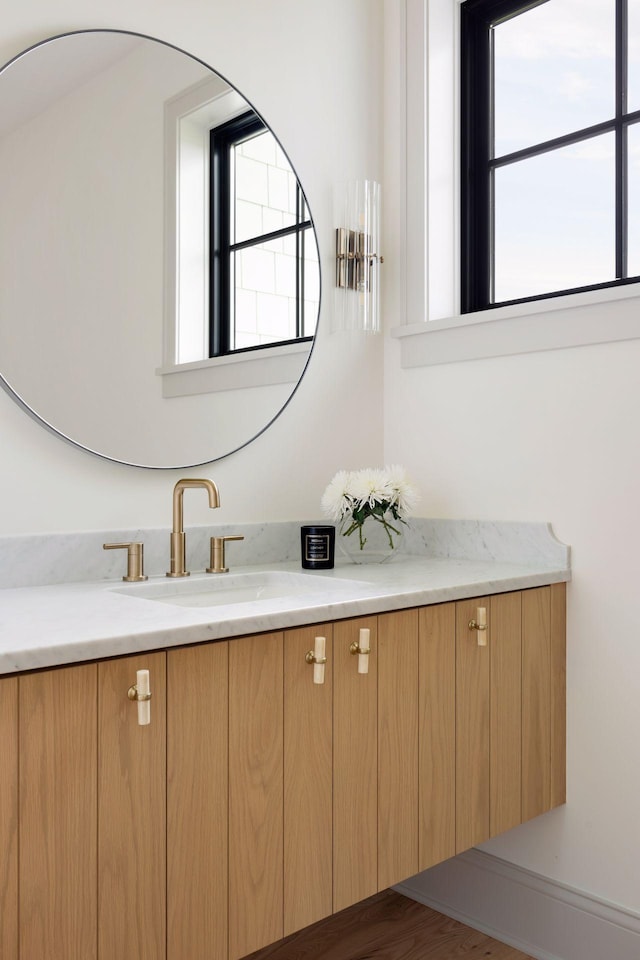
x=222, y=140
x=478, y=17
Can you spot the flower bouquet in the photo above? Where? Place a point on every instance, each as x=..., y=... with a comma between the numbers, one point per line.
x=377, y=498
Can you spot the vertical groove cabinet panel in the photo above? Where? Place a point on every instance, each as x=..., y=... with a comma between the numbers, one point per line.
x=58, y=767
x=255, y=792
x=197, y=802
x=9, y=818
x=506, y=712
x=397, y=747
x=308, y=781
x=558, y=597
x=355, y=767
x=472, y=727
x=131, y=813
x=536, y=702
x=437, y=734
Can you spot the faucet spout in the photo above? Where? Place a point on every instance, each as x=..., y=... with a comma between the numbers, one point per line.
x=178, y=540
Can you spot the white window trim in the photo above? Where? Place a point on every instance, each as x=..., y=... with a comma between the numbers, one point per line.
x=282, y=363
x=433, y=331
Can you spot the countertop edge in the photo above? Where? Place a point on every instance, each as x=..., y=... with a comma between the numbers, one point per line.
x=122, y=643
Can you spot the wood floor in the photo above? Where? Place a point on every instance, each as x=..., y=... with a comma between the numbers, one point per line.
x=388, y=927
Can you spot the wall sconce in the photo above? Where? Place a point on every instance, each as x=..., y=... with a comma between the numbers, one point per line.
x=357, y=299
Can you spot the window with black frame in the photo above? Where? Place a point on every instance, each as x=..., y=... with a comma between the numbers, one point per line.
x=550, y=148
x=263, y=254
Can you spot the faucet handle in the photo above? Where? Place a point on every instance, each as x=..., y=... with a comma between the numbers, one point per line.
x=135, y=559
x=217, y=554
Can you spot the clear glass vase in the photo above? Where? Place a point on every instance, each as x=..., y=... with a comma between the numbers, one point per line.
x=374, y=541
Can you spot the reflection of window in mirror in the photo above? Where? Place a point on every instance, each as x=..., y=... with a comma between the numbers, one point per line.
x=242, y=275
x=263, y=278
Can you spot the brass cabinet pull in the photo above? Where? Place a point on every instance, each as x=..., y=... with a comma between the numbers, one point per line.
x=362, y=648
x=480, y=624
x=135, y=559
x=318, y=658
x=141, y=694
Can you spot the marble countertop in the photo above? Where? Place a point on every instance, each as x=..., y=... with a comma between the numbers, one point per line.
x=44, y=626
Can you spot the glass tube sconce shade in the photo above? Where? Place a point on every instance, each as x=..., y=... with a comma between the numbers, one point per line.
x=357, y=295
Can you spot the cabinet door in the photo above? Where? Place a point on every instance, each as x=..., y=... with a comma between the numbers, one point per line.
x=355, y=766
x=437, y=726
x=197, y=802
x=472, y=727
x=255, y=792
x=131, y=813
x=308, y=781
x=9, y=818
x=543, y=699
x=505, y=802
x=558, y=707
x=397, y=747
x=58, y=801
x=488, y=719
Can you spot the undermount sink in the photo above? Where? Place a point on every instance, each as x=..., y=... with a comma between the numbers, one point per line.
x=214, y=591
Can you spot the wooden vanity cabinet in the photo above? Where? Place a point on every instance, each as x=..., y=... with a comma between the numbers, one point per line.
x=257, y=802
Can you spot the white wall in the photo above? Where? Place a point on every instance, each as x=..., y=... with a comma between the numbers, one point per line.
x=309, y=79
x=552, y=437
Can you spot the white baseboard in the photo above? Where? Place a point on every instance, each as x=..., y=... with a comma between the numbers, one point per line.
x=541, y=917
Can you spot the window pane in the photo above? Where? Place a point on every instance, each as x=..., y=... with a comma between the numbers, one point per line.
x=265, y=188
x=311, y=283
x=555, y=220
x=633, y=265
x=554, y=71
x=634, y=55
x=265, y=294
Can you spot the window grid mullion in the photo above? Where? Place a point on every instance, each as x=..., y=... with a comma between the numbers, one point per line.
x=299, y=264
x=272, y=235
x=548, y=146
x=622, y=236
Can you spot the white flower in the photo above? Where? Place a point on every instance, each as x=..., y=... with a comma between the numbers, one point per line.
x=366, y=489
x=370, y=486
x=337, y=500
x=405, y=494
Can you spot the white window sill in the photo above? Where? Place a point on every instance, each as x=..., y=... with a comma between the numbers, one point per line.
x=578, y=319
x=273, y=365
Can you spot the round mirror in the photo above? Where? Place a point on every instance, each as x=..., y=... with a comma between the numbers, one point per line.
x=159, y=274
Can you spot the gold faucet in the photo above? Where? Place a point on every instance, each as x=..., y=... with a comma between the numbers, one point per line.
x=178, y=541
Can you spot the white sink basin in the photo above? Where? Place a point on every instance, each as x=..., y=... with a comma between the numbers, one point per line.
x=221, y=589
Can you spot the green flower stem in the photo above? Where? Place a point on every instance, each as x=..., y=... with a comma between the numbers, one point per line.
x=359, y=525
x=388, y=527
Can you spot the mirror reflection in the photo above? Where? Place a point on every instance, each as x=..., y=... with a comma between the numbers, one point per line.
x=159, y=276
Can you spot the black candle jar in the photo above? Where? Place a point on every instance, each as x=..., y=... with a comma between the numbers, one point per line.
x=317, y=545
